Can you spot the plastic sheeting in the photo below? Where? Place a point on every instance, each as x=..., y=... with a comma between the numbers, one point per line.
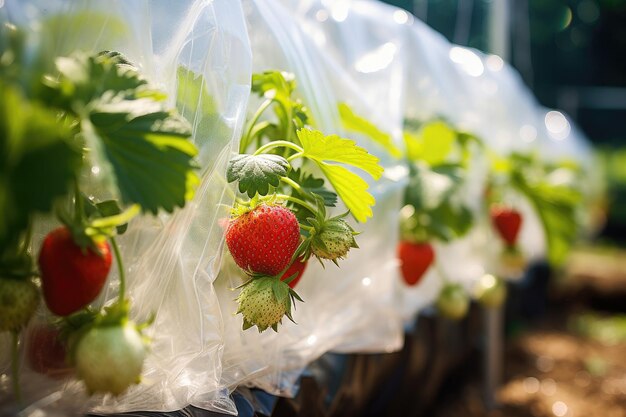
x=201, y=47
x=388, y=67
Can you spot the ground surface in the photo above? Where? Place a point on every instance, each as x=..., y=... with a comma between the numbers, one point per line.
x=572, y=362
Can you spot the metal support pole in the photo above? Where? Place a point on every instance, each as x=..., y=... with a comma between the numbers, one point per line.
x=493, y=358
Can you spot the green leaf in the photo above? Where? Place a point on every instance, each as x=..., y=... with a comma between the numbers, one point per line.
x=83, y=78
x=274, y=85
x=311, y=189
x=145, y=149
x=255, y=173
x=433, y=145
x=431, y=192
x=429, y=188
x=311, y=185
x=556, y=206
x=358, y=124
x=336, y=149
x=38, y=160
x=351, y=188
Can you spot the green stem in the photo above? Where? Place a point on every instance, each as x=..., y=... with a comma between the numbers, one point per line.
x=291, y=182
x=278, y=144
x=117, y=220
x=292, y=199
x=245, y=140
x=120, y=269
x=15, y=366
x=307, y=228
x=295, y=156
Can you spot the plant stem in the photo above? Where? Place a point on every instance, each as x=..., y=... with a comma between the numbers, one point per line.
x=294, y=200
x=118, y=219
x=15, y=366
x=245, y=140
x=120, y=269
x=295, y=156
x=291, y=182
x=278, y=144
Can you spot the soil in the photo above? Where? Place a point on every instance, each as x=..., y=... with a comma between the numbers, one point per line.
x=572, y=364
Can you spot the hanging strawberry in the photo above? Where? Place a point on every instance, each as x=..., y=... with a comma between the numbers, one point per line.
x=72, y=276
x=507, y=221
x=415, y=259
x=274, y=232
x=263, y=239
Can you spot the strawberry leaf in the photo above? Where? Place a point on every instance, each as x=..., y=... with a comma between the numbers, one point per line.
x=430, y=192
x=351, y=188
x=38, y=160
x=311, y=188
x=145, y=149
x=555, y=204
x=255, y=173
x=355, y=123
x=433, y=144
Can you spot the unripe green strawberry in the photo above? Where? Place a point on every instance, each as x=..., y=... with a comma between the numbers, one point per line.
x=453, y=302
x=109, y=358
x=332, y=239
x=490, y=291
x=19, y=299
x=264, y=239
x=264, y=301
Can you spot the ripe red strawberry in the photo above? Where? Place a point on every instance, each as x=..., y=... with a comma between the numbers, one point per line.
x=298, y=266
x=72, y=277
x=19, y=299
x=264, y=239
x=507, y=222
x=46, y=352
x=415, y=259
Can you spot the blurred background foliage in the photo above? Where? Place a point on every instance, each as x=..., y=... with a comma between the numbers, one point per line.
x=571, y=53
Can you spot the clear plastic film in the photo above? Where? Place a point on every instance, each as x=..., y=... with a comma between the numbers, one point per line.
x=324, y=60
x=198, y=53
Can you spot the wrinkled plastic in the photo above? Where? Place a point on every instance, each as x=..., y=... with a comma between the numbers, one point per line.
x=171, y=260
x=350, y=308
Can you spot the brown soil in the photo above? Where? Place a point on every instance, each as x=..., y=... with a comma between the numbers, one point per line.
x=558, y=369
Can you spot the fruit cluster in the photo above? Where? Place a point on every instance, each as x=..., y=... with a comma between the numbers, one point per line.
x=272, y=235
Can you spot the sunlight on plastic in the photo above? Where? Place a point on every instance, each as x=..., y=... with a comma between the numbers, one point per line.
x=469, y=61
x=311, y=340
x=494, y=63
x=528, y=133
x=376, y=60
x=557, y=125
x=401, y=17
x=366, y=281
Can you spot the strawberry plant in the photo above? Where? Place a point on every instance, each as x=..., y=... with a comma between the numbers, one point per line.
x=280, y=220
x=92, y=114
x=556, y=202
x=437, y=157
